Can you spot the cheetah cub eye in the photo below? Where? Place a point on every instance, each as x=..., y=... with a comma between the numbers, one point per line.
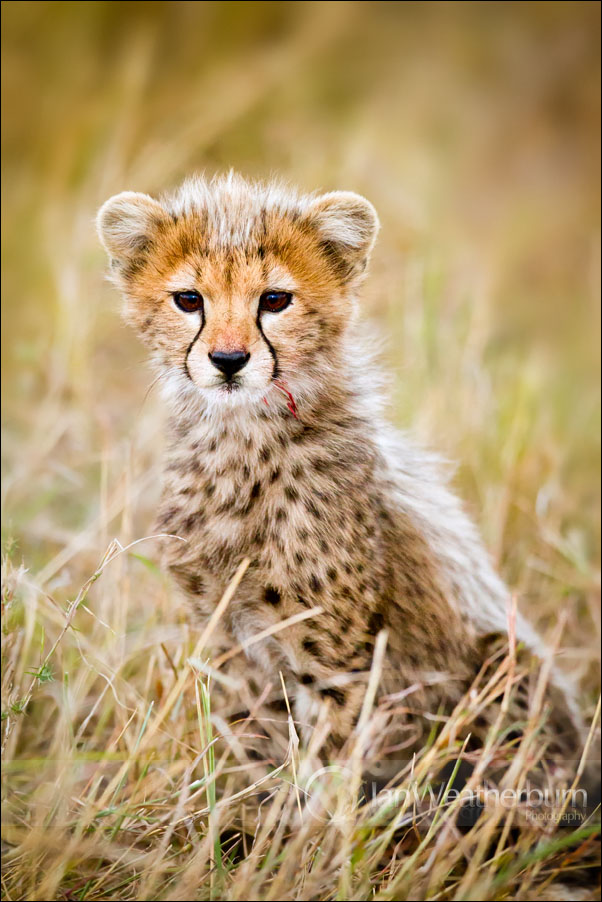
x=188, y=301
x=275, y=301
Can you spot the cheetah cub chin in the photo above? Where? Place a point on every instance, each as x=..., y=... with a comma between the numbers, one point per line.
x=246, y=294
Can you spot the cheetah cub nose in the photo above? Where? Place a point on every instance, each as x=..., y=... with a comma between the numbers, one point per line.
x=229, y=362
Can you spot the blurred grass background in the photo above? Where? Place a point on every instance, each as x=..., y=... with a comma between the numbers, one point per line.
x=474, y=129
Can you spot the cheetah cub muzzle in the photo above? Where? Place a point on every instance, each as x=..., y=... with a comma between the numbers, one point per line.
x=246, y=295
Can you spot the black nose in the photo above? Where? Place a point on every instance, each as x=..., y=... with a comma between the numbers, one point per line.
x=229, y=362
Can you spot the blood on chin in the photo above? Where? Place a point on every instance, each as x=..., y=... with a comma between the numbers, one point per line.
x=241, y=394
x=290, y=401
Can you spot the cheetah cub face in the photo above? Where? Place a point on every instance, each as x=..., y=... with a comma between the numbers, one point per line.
x=239, y=289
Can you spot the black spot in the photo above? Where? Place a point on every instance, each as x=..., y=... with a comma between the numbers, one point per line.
x=376, y=622
x=297, y=471
x=311, y=647
x=209, y=490
x=213, y=445
x=314, y=583
x=195, y=584
x=169, y=516
x=302, y=601
x=280, y=514
x=337, y=695
x=256, y=490
x=254, y=755
x=258, y=537
x=332, y=574
x=190, y=581
x=291, y=493
x=189, y=522
x=306, y=679
x=275, y=475
x=245, y=509
x=265, y=454
x=299, y=557
x=313, y=510
x=271, y=595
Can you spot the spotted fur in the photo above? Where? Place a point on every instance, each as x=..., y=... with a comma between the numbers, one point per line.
x=332, y=506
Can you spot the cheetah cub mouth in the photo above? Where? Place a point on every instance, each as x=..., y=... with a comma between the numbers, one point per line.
x=243, y=295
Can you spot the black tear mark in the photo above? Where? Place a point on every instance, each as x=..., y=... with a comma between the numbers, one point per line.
x=192, y=343
x=271, y=349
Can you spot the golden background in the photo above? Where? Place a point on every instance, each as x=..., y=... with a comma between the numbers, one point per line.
x=473, y=127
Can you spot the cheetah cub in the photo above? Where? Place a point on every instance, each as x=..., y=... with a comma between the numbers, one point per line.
x=246, y=294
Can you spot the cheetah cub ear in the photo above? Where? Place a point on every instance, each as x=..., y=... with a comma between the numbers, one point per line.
x=127, y=225
x=348, y=225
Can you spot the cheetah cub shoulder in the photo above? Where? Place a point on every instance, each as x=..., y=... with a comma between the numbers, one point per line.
x=246, y=295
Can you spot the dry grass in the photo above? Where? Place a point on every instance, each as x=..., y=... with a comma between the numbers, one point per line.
x=473, y=128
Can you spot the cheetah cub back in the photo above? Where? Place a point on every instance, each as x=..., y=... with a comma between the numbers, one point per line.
x=246, y=295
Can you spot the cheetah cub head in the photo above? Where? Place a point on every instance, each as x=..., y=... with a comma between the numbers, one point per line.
x=240, y=289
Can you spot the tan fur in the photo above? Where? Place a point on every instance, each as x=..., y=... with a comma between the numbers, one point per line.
x=332, y=507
